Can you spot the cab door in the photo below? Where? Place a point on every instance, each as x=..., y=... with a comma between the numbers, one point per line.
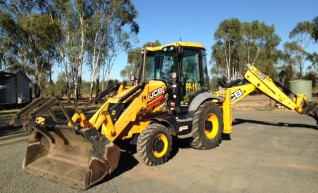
x=190, y=75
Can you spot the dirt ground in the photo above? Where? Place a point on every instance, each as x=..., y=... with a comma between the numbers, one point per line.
x=269, y=151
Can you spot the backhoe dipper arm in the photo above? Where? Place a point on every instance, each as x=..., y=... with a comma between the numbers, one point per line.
x=299, y=102
x=267, y=86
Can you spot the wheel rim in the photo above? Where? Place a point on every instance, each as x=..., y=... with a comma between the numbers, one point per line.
x=211, y=126
x=160, y=146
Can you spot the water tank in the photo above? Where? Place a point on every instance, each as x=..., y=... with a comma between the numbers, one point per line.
x=301, y=87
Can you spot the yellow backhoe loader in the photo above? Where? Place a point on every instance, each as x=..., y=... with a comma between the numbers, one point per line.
x=170, y=98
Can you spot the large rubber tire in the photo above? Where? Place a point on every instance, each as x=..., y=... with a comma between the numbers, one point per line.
x=207, y=126
x=154, y=144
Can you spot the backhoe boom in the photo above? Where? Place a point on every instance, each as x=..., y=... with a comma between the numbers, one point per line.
x=259, y=81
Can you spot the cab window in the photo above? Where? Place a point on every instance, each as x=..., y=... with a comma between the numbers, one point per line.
x=190, y=74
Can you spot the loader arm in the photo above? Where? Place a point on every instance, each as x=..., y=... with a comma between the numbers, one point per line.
x=136, y=101
x=75, y=153
x=259, y=81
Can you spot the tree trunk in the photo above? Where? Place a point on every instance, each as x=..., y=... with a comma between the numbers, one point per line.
x=51, y=82
x=79, y=85
x=97, y=86
x=37, y=83
x=80, y=62
x=91, y=90
x=69, y=93
x=37, y=91
x=97, y=79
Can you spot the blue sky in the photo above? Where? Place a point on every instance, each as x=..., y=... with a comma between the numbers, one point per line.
x=196, y=21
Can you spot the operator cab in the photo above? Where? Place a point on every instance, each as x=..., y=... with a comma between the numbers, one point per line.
x=182, y=66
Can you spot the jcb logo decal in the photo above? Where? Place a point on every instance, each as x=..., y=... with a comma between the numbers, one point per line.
x=235, y=95
x=156, y=93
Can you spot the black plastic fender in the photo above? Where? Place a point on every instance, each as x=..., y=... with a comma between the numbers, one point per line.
x=198, y=100
x=169, y=122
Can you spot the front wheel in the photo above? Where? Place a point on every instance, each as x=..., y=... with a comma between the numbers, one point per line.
x=207, y=126
x=154, y=144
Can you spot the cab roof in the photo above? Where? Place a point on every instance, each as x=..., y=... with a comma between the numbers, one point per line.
x=183, y=44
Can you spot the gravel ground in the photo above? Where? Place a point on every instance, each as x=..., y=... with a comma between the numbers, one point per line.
x=269, y=151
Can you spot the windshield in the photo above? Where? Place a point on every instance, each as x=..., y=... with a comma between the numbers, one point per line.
x=160, y=65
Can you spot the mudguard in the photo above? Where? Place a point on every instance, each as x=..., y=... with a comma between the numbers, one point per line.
x=198, y=100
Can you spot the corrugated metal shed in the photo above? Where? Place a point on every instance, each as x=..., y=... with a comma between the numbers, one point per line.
x=14, y=87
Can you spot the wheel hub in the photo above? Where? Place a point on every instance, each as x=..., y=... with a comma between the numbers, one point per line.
x=208, y=126
x=211, y=126
x=158, y=145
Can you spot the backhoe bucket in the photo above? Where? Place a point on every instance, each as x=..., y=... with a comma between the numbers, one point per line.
x=311, y=109
x=78, y=159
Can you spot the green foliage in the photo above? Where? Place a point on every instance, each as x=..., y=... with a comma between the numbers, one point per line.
x=240, y=43
x=313, y=57
x=305, y=27
x=314, y=33
x=295, y=55
x=313, y=76
x=28, y=37
x=60, y=87
x=225, y=50
x=286, y=74
x=135, y=60
x=35, y=35
x=108, y=34
x=229, y=31
x=303, y=33
x=214, y=83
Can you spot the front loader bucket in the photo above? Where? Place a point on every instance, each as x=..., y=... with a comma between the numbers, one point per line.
x=78, y=159
x=67, y=153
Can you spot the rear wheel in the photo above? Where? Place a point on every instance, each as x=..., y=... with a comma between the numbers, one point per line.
x=207, y=126
x=154, y=144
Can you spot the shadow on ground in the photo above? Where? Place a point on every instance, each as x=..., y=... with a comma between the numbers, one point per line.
x=278, y=124
x=126, y=163
x=6, y=129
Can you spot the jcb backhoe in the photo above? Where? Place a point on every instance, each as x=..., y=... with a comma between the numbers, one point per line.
x=170, y=98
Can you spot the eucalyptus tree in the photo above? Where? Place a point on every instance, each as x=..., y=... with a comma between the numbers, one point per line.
x=259, y=46
x=295, y=56
x=6, y=50
x=228, y=37
x=240, y=43
x=111, y=27
x=303, y=34
x=314, y=33
x=135, y=60
x=119, y=39
x=313, y=57
x=301, y=39
x=28, y=36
